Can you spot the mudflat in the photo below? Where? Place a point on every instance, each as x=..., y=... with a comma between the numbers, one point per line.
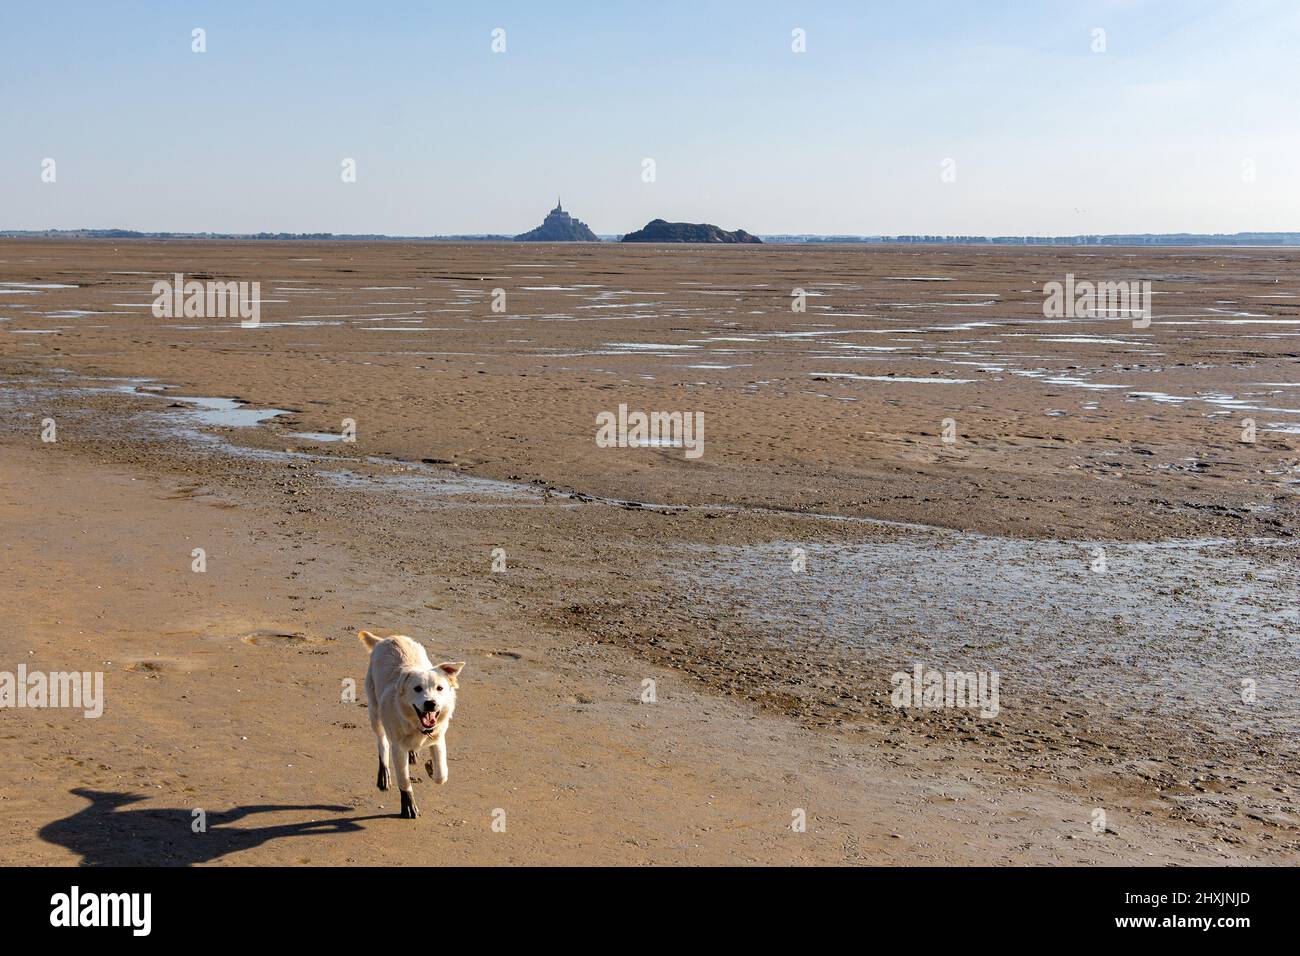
x=904, y=463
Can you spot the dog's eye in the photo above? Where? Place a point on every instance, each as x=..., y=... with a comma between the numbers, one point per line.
x=440, y=687
x=419, y=689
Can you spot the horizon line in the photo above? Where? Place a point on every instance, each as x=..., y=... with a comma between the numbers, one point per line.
x=1253, y=237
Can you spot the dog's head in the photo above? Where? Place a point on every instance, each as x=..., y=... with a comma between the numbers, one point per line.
x=430, y=694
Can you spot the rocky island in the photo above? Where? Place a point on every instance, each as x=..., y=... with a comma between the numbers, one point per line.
x=559, y=226
x=659, y=230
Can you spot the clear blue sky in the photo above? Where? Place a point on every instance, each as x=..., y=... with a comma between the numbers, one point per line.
x=1047, y=136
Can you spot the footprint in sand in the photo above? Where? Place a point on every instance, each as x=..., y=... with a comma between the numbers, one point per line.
x=272, y=638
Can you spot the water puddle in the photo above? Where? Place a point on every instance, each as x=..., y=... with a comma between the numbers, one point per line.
x=1071, y=382
x=426, y=483
x=914, y=379
x=647, y=346
x=227, y=412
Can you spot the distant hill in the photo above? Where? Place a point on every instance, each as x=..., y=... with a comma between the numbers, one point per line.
x=559, y=226
x=658, y=230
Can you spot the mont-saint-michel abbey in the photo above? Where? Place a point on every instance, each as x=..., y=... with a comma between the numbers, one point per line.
x=559, y=226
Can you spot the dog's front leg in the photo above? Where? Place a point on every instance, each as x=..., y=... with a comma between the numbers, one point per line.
x=384, y=779
x=436, y=765
x=409, y=810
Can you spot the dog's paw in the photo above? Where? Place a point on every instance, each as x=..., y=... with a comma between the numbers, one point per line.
x=409, y=810
x=382, y=782
x=431, y=768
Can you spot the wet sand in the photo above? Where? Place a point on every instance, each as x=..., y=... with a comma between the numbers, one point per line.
x=474, y=431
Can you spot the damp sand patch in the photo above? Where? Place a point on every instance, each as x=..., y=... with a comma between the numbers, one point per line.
x=1169, y=629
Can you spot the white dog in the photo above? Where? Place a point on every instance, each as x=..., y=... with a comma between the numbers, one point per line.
x=411, y=702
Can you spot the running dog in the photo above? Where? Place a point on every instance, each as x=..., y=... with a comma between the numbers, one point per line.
x=411, y=703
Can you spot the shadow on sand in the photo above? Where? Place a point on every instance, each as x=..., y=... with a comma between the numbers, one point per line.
x=105, y=834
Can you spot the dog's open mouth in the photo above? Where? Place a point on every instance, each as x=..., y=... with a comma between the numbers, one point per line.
x=427, y=719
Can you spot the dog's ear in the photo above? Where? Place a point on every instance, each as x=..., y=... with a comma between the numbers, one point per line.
x=452, y=669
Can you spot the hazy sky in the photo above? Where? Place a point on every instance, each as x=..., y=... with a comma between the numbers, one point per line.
x=1160, y=133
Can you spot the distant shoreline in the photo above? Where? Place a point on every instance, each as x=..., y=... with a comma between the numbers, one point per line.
x=1190, y=240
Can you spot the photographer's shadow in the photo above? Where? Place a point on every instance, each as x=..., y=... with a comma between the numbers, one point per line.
x=104, y=834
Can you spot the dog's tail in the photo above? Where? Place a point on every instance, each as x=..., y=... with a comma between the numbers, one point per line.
x=368, y=639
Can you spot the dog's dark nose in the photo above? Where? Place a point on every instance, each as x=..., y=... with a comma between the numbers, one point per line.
x=430, y=707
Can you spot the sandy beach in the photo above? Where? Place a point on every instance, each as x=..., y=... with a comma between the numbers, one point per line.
x=1095, y=531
